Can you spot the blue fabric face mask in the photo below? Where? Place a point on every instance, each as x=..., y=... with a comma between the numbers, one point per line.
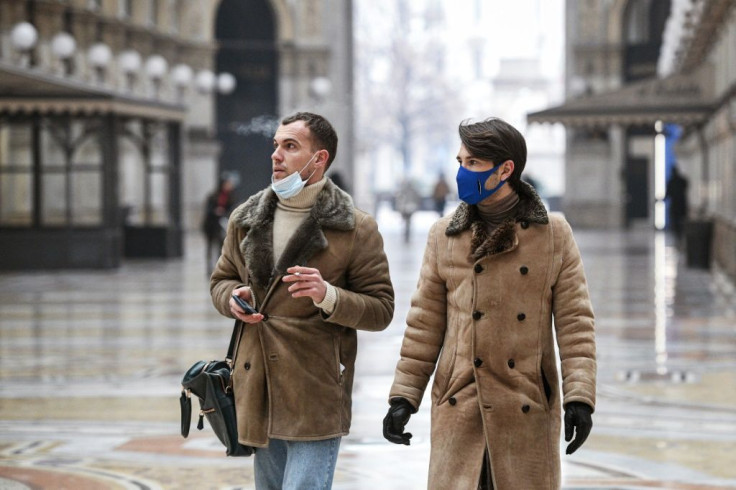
x=471, y=185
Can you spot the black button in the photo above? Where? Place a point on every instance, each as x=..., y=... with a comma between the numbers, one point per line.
x=525, y=224
x=478, y=268
x=452, y=401
x=265, y=317
x=524, y=270
x=511, y=363
x=478, y=362
x=521, y=317
x=247, y=366
x=525, y=408
x=477, y=314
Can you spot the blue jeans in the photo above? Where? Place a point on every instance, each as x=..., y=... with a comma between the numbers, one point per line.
x=295, y=465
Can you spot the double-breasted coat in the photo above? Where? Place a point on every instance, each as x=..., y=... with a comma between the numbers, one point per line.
x=482, y=317
x=293, y=371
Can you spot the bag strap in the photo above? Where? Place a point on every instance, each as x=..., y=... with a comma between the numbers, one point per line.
x=233, y=341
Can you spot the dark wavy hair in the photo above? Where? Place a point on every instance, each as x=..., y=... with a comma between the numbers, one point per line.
x=323, y=134
x=496, y=140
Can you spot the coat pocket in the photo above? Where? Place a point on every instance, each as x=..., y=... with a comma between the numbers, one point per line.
x=547, y=389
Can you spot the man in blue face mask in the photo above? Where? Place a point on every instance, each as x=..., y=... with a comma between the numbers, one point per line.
x=495, y=274
x=313, y=267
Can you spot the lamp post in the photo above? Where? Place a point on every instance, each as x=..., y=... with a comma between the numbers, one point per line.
x=63, y=46
x=181, y=75
x=23, y=38
x=205, y=81
x=156, y=67
x=130, y=63
x=319, y=88
x=99, y=55
x=226, y=83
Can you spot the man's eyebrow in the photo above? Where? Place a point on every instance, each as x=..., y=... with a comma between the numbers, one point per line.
x=286, y=140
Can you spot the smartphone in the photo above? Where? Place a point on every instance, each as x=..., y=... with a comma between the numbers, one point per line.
x=244, y=305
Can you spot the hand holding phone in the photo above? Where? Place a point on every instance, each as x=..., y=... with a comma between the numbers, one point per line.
x=247, y=308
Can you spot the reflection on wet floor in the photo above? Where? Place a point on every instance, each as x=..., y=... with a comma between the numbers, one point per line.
x=90, y=364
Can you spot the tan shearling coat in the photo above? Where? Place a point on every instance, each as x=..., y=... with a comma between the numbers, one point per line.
x=293, y=371
x=482, y=316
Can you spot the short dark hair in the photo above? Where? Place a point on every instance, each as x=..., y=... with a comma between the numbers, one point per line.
x=496, y=140
x=323, y=134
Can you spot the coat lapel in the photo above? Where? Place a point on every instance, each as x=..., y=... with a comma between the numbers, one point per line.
x=503, y=238
x=332, y=210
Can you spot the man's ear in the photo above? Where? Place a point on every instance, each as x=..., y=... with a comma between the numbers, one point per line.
x=322, y=157
x=507, y=170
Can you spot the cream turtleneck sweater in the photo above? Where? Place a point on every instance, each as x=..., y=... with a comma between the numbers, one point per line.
x=290, y=213
x=495, y=213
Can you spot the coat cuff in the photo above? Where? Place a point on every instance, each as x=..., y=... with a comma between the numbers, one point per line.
x=328, y=304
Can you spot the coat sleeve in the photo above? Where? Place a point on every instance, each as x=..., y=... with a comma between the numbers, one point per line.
x=574, y=324
x=229, y=272
x=425, y=330
x=367, y=300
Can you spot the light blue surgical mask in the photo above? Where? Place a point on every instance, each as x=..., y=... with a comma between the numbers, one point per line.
x=292, y=184
x=471, y=185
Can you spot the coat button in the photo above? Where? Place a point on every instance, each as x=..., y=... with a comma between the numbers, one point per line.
x=525, y=224
x=525, y=408
x=521, y=317
x=478, y=362
x=265, y=318
x=511, y=363
x=247, y=366
x=477, y=314
x=452, y=401
x=524, y=270
x=478, y=268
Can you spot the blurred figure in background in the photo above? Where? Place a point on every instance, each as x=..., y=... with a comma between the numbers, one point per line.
x=408, y=201
x=439, y=194
x=676, y=192
x=214, y=224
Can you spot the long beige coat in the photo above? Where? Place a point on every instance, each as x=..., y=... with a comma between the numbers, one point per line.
x=482, y=316
x=293, y=371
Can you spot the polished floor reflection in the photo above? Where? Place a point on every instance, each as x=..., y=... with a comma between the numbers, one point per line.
x=90, y=364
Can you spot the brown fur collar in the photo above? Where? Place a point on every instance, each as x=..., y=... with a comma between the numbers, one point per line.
x=530, y=209
x=333, y=209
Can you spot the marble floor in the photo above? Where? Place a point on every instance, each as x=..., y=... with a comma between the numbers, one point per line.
x=90, y=365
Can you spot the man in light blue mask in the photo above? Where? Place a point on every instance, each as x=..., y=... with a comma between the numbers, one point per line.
x=313, y=267
x=494, y=276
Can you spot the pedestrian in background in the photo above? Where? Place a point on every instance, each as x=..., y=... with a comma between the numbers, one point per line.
x=314, y=268
x=407, y=201
x=439, y=194
x=217, y=209
x=676, y=193
x=494, y=275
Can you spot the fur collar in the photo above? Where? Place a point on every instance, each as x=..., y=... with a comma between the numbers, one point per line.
x=332, y=210
x=530, y=209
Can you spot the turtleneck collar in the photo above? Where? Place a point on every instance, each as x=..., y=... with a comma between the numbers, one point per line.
x=306, y=198
x=495, y=213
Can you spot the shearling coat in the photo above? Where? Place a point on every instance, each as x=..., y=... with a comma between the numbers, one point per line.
x=482, y=316
x=293, y=371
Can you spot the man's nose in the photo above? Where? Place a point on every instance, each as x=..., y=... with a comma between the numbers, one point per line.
x=276, y=155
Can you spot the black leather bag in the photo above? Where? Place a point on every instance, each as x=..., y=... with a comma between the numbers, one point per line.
x=210, y=382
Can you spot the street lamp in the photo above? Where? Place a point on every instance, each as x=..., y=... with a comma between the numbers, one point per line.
x=156, y=67
x=320, y=87
x=99, y=55
x=226, y=83
x=205, y=81
x=63, y=46
x=23, y=38
x=130, y=63
x=181, y=75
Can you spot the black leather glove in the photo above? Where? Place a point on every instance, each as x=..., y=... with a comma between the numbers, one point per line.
x=577, y=417
x=395, y=421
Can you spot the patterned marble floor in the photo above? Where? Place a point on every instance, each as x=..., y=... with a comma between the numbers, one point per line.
x=90, y=364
